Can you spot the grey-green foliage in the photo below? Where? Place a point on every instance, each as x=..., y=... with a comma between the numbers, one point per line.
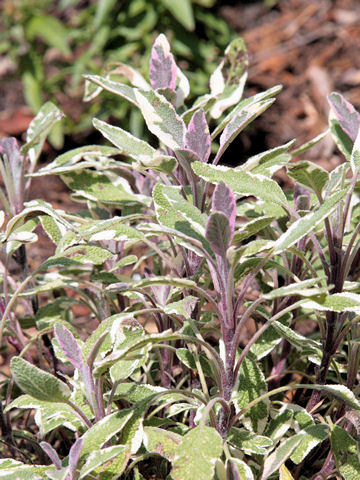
x=175, y=258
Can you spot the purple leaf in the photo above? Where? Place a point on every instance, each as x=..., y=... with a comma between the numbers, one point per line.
x=74, y=456
x=69, y=345
x=218, y=233
x=163, y=70
x=51, y=453
x=197, y=137
x=185, y=159
x=223, y=201
x=348, y=117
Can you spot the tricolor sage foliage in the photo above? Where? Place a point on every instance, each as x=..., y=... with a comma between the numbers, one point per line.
x=189, y=362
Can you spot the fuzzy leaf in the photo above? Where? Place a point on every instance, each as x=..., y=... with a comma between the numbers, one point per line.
x=106, y=188
x=238, y=123
x=69, y=345
x=37, y=383
x=348, y=117
x=88, y=254
x=165, y=443
x=241, y=182
x=187, y=358
x=267, y=163
x=306, y=224
x=101, y=457
x=299, y=288
x=182, y=11
x=274, y=461
x=183, y=307
x=355, y=155
x=104, y=430
x=315, y=434
x=252, y=227
x=345, y=451
x=135, y=148
x=223, y=201
x=250, y=385
x=161, y=118
x=245, y=104
x=197, y=137
x=218, y=233
x=195, y=457
x=338, y=302
x=296, y=339
x=162, y=72
x=118, y=88
x=249, y=442
x=12, y=470
x=309, y=175
x=39, y=129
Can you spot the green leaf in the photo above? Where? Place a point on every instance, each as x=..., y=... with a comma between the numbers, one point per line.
x=239, y=469
x=302, y=289
x=315, y=434
x=163, y=442
x=298, y=340
x=88, y=254
x=51, y=30
x=355, y=155
x=252, y=227
x=38, y=130
x=284, y=473
x=306, y=224
x=182, y=11
x=338, y=302
x=241, y=182
x=118, y=88
x=37, y=383
x=104, y=430
x=267, y=163
x=274, y=461
x=345, y=451
x=183, y=307
x=309, y=175
x=135, y=148
x=188, y=359
x=195, y=457
x=218, y=233
x=249, y=442
x=341, y=138
x=13, y=470
x=106, y=188
x=250, y=385
x=161, y=118
x=98, y=458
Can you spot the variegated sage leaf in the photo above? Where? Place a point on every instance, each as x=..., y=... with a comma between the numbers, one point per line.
x=162, y=72
x=249, y=442
x=314, y=434
x=355, y=155
x=309, y=175
x=267, y=163
x=218, y=233
x=344, y=448
x=163, y=442
x=223, y=201
x=195, y=457
x=238, y=470
x=197, y=137
x=38, y=383
x=161, y=118
x=101, y=457
x=274, y=461
x=241, y=182
x=344, y=111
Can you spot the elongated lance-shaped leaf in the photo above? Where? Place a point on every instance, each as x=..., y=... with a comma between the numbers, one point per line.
x=118, y=88
x=238, y=470
x=218, y=233
x=74, y=455
x=243, y=105
x=309, y=175
x=355, y=155
x=161, y=118
x=39, y=129
x=134, y=77
x=37, y=383
x=135, y=148
x=162, y=72
x=69, y=345
x=267, y=163
x=284, y=473
x=103, y=430
x=303, y=289
x=315, y=434
x=274, y=461
x=223, y=201
x=197, y=137
x=241, y=182
x=249, y=442
x=306, y=224
x=101, y=457
x=195, y=457
x=338, y=302
x=12, y=170
x=157, y=440
x=238, y=123
x=348, y=117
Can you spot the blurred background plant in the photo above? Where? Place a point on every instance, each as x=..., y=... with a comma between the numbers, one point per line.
x=51, y=44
